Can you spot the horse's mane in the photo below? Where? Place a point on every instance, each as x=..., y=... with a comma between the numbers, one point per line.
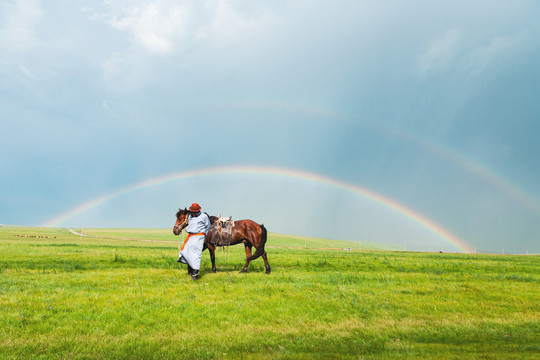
x=180, y=212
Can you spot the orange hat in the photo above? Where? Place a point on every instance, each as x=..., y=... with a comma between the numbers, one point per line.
x=195, y=207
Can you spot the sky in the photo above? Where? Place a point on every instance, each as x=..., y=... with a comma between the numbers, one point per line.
x=431, y=105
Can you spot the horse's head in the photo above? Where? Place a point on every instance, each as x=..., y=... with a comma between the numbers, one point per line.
x=181, y=221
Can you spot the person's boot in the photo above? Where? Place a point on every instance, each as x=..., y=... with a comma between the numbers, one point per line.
x=195, y=274
x=189, y=270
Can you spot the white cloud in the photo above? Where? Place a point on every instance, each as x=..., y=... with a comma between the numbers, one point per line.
x=224, y=20
x=499, y=50
x=26, y=72
x=155, y=26
x=122, y=70
x=165, y=32
x=165, y=26
x=21, y=19
x=476, y=47
x=440, y=52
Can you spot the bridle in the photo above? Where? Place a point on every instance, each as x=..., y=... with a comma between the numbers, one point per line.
x=181, y=225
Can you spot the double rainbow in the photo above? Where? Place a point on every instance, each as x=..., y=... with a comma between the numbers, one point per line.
x=419, y=219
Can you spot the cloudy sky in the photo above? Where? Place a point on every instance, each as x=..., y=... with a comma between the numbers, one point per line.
x=431, y=104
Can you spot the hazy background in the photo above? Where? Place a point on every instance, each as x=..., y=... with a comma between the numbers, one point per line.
x=433, y=104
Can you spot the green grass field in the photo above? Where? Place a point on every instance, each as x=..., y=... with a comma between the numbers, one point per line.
x=104, y=297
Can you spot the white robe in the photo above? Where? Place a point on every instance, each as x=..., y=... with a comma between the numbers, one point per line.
x=192, y=252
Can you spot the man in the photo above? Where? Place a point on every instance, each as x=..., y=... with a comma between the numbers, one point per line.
x=197, y=229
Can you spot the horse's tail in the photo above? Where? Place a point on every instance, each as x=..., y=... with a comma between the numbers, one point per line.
x=260, y=248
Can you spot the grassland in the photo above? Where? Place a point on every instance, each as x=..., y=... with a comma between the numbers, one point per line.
x=106, y=297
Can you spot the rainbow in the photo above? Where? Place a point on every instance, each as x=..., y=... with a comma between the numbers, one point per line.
x=423, y=221
x=475, y=168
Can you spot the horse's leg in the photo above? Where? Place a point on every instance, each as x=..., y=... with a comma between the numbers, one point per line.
x=212, y=251
x=266, y=263
x=248, y=246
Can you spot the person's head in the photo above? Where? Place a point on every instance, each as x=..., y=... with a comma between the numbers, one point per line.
x=194, y=209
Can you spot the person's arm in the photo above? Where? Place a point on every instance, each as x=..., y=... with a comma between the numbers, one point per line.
x=208, y=224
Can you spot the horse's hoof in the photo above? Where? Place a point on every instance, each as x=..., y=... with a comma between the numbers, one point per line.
x=214, y=271
x=243, y=271
x=268, y=271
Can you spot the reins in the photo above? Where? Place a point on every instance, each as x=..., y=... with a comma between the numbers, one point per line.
x=181, y=238
x=181, y=226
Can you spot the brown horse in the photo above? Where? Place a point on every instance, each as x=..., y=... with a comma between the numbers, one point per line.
x=246, y=231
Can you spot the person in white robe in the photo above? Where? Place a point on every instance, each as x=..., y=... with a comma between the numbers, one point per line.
x=197, y=229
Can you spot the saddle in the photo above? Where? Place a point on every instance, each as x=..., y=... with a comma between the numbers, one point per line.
x=225, y=221
x=222, y=231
